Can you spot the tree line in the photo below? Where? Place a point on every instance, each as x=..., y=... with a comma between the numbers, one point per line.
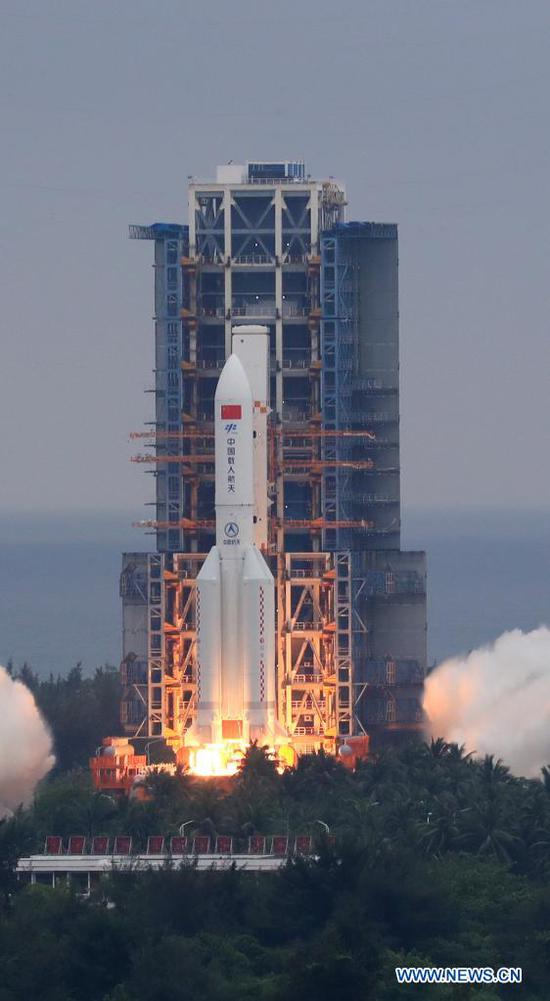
x=440, y=858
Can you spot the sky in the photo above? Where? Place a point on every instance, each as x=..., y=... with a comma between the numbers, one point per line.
x=434, y=113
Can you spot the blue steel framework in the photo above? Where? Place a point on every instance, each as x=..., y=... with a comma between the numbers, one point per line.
x=380, y=591
x=171, y=244
x=337, y=338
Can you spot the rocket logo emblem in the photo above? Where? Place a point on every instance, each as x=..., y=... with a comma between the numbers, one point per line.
x=231, y=530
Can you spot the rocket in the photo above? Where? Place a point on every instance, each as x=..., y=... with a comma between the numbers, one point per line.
x=235, y=611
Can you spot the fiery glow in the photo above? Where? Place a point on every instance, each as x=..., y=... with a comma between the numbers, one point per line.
x=215, y=760
x=224, y=759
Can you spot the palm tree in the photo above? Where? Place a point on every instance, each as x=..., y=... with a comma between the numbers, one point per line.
x=384, y=770
x=257, y=764
x=439, y=748
x=490, y=832
x=455, y=753
x=533, y=824
x=315, y=774
x=546, y=777
x=97, y=810
x=493, y=773
x=440, y=832
x=362, y=822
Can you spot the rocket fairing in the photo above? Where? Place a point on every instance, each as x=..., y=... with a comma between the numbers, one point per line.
x=235, y=587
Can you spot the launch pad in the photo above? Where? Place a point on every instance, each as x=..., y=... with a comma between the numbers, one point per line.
x=214, y=643
x=268, y=244
x=219, y=656
x=312, y=637
x=213, y=685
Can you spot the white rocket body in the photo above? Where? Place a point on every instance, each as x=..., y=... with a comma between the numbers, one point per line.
x=235, y=587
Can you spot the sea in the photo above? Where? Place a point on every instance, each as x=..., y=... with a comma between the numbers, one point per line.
x=488, y=572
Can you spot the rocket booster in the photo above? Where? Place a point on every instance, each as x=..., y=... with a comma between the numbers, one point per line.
x=235, y=588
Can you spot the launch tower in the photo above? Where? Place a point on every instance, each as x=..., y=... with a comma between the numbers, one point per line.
x=266, y=244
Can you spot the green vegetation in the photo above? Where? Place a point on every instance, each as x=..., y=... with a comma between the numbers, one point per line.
x=439, y=860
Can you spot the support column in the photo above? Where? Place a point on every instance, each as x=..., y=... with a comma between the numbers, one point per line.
x=283, y=658
x=192, y=209
x=314, y=220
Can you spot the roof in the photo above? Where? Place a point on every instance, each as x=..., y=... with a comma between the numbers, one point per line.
x=372, y=230
x=49, y=864
x=159, y=231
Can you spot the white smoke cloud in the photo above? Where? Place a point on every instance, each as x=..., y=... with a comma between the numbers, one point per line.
x=497, y=700
x=25, y=744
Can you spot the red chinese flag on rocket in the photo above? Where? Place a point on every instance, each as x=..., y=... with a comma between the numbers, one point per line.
x=231, y=411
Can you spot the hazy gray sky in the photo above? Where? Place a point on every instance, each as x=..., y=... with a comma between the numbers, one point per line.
x=433, y=112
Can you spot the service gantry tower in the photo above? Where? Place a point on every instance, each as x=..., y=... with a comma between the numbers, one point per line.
x=265, y=243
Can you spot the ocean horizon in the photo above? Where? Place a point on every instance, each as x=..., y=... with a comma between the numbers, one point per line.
x=488, y=572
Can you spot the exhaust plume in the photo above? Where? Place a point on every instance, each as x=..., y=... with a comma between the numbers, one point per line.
x=496, y=700
x=25, y=744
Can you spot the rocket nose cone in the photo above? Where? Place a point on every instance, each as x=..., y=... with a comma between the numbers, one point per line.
x=233, y=381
